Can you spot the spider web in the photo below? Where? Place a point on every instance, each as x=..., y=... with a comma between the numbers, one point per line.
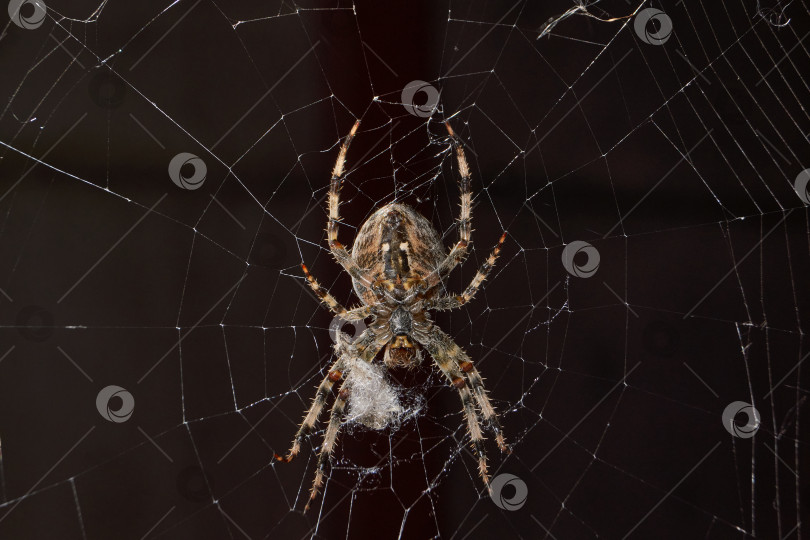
x=164, y=173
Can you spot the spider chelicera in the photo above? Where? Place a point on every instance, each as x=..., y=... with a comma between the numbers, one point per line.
x=398, y=267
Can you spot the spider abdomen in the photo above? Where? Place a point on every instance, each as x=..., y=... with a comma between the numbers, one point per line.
x=396, y=242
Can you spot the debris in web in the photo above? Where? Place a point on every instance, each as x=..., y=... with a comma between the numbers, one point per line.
x=373, y=402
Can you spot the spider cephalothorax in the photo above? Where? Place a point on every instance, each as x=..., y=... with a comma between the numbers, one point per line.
x=398, y=267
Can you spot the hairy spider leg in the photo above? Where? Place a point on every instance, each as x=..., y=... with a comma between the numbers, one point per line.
x=328, y=446
x=338, y=250
x=355, y=314
x=456, y=301
x=345, y=350
x=370, y=344
x=459, y=251
x=449, y=349
x=443, y=358
x=314, y=411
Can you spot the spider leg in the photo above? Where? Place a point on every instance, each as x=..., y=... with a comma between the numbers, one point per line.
x=365, y=347
x=357, y=314
x=456, y=301
x=448, y=348
x=445, y=354
x=314, y=411
x=368, y=345
x=459, y=251
x=338, y=250
x=329, y=439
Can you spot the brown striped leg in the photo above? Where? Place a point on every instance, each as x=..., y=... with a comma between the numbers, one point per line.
x=357, y=314
x=448, y=348
x=480, y=393
x=336, y=184
x=439, y=350
x=338, y=250
x=329, y=439
x=365, y=348
x=453, y=302
x=311, y=418
x=459, y=251
x=345, y=350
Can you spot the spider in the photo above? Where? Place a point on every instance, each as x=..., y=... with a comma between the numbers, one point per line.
x=398, y=267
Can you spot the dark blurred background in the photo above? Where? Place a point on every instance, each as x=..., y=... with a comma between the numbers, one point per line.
x=676, y=162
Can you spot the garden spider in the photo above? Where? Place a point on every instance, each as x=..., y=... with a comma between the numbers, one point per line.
x=398, y=267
